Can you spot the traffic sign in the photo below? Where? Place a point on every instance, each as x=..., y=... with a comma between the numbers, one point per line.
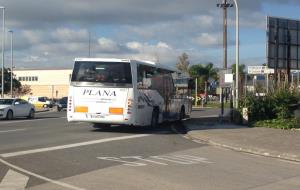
x=259, y=70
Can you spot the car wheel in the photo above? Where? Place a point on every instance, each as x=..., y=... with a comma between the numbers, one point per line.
x=9, y=115
x=31, y=114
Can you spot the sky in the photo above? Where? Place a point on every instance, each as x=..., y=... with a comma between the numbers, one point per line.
x=51, y=33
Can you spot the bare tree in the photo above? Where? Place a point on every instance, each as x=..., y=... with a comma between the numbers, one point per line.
x=183, y=63
x=23, y=90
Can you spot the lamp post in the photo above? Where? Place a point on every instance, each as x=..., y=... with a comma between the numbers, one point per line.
x=12, y=62
x=3, y=44
x=237, y=52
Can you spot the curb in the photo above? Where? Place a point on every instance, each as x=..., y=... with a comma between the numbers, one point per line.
x=255, y=151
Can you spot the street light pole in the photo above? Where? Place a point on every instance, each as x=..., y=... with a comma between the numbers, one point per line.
x=12, y=62
x=3, y=45
x=237, y=52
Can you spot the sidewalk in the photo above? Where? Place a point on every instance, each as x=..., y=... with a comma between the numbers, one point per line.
x=276, y=143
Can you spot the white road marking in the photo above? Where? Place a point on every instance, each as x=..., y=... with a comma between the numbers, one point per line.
x=30, y=120
x=144, y=159
x=177, y=159
x=174, y=159
x=14, y=180
x=65, y=185
x=33, y=151
x=13, y=130
x=126, y=163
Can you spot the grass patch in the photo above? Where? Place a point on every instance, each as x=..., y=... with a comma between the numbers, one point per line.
x=290, y=123
x=217, y=104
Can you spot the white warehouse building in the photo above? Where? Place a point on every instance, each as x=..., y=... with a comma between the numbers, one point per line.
x=53, y=83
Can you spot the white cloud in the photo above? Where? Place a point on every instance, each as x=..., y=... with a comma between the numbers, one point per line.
x=163, y=45
x=108, y=45
x=210, y=40
x=68, y=35
x=34, y=59
x=34, y=36
x=137, y=46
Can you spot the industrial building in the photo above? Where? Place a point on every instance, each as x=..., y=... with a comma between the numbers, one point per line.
x=51, y=83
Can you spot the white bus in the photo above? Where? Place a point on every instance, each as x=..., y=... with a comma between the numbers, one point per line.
x=124, y=92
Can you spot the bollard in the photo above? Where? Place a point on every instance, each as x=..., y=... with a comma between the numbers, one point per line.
x=245, y=116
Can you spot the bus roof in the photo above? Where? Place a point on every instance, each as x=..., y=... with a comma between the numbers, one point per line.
x=150, y=63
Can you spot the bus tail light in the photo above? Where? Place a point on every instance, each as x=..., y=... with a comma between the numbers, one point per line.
x=116, y=111
x=81, y=109
x=70, y=103
x=129, y=106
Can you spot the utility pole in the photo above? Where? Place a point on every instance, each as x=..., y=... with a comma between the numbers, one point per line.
x=224, y=5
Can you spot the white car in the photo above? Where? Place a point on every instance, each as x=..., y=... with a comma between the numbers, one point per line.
x=14, y=107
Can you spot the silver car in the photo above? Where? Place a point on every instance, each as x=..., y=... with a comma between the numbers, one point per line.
x=14, y=107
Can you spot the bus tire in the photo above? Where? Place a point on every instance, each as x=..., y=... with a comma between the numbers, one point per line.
x=154, y=118
x=182, y=113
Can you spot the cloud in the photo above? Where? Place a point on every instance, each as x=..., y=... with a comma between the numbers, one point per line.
x=69, y=35
x=108, y=45
x=209, y=40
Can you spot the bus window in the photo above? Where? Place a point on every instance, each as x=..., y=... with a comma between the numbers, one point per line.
x=144, y=76
x=102, y=72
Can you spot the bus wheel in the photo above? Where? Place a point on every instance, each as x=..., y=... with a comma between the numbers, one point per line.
x=101, y=126
x=182, y=113
x=154, y=118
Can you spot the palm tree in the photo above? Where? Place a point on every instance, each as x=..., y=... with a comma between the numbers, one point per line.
x=205, y=74
x=242, y=74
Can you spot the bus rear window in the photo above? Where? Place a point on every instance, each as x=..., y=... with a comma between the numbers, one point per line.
x=102, y=72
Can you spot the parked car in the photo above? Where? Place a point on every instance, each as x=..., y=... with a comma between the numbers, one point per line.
x=40, y=101
x=14, y=107
x=62, y=104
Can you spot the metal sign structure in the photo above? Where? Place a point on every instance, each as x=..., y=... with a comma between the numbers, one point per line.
x=259, y=70
x=283, y=43
x=224, y=78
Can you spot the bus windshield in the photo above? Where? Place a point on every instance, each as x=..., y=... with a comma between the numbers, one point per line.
x=102, y=72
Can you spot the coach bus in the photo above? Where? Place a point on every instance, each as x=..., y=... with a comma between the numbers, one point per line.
x=108, y=91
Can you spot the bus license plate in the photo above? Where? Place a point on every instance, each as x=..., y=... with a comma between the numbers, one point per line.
x=96, y=116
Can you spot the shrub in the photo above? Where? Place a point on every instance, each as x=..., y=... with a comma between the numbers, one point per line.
x=276, y=105
x=278, y=123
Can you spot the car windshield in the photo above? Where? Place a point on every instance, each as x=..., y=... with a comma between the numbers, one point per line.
x=102, y=72
x=6, y=101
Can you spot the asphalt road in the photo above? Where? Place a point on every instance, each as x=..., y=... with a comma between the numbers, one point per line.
x=50, y=153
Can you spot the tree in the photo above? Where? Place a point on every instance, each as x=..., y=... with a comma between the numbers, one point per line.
x=242, y=74
x=7, y=81
x=242, y=68
x=204, y=73
x=23, y=90
x=183, y=63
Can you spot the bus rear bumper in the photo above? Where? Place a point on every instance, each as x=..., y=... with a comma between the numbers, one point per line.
x=112, y=119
